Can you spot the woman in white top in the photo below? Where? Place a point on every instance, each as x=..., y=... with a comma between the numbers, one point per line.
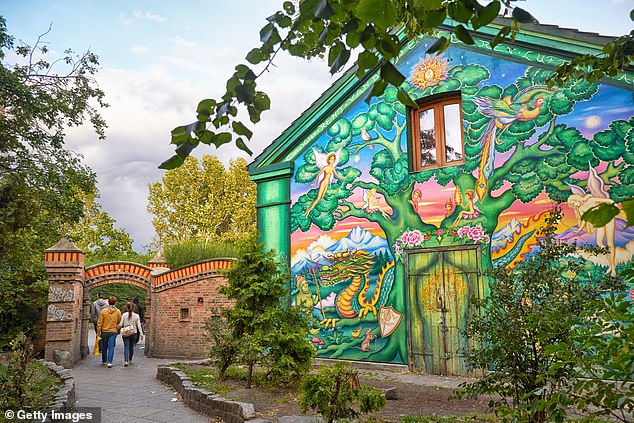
x=127, y=319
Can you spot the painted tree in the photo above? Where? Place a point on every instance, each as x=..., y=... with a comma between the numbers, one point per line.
x=201, y=201
x=543, y=155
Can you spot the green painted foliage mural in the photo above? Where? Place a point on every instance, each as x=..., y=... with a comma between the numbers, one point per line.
x=526, y=147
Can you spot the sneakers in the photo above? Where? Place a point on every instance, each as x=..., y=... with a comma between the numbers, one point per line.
x=109, y=364
x=125, y=364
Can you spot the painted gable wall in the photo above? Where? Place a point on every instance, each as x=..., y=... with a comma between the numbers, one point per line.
x=356, y=209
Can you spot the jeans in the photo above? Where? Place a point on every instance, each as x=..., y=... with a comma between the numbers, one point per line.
x=128, y=347
x=108, y=342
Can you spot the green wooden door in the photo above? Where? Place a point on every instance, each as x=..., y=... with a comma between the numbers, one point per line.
x=441, y=284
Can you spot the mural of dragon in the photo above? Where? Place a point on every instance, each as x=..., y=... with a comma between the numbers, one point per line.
x=361, y=296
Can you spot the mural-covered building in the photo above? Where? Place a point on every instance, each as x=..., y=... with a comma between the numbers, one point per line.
x=388, y=216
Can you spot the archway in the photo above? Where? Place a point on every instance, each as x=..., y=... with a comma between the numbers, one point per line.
x=104, y=274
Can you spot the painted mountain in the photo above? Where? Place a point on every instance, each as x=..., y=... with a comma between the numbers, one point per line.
x=357, y=239
x=360, y=239
x=505, y=234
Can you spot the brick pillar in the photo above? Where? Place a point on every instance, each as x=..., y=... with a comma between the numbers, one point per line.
x=65, y=268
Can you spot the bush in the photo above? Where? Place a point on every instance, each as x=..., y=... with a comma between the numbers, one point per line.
x=25, y=383
x=263, y=329
x=224, y=347
x=335, y=393
x=530, y=312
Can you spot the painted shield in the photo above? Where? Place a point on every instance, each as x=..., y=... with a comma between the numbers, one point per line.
x=389, y=319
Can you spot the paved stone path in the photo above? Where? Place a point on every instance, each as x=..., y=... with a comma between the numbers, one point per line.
x=129, y=394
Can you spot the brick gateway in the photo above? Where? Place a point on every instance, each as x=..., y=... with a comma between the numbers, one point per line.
x=177, y=304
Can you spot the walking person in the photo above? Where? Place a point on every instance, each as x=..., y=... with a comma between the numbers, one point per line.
x=108, y=329
x=141, y=313
x=95, y=309
x=130, y=320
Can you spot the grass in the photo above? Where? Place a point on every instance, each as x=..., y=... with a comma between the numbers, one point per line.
x=179, y=255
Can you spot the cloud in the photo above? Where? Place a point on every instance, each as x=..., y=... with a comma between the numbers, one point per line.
x=181, y=42
x=140, y=49
x=148, y=16
x=125, y=21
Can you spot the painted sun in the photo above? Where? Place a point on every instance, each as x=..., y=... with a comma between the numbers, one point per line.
x=430, y=71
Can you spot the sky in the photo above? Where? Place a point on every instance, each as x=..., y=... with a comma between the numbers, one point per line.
x=159, y=58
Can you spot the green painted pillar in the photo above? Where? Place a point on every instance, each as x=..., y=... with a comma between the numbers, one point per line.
x=273, y=207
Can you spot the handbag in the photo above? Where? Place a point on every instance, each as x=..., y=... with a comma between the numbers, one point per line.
x=128, y=330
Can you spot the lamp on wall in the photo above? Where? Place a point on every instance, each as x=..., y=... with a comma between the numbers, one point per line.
x=200, y=301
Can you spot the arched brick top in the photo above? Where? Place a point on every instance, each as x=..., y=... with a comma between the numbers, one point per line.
x=207, y=266
x=118, y=272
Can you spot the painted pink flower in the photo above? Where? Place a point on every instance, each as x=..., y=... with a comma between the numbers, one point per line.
x=412, y=238
x=476, y=233
x=397, y=247
x=464, y=231
x=439, y=232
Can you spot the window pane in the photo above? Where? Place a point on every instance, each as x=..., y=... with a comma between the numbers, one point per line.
x=427, y=138
x=453, y=134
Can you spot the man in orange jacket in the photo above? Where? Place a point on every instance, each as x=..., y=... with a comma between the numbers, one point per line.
x=107, y=328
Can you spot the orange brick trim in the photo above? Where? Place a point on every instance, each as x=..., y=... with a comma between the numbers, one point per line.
x=61, y=257
x=213, y=265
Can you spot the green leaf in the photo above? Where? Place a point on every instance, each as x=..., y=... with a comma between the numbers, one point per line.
x=323, y=10
x=628, y=208
x=404, y=98
x=256, y=56
x=367, y=60
x=434, y=18
x=501, y=36
x=179, y=135
x=522, y=16
x=267, y=32
x=222, y=138
x=261, y=101
x=184, y=149
x=207, y=137
x=240, y=129
x=439, y=46
x=340, y=61
x=242, y=146
x=463, y=35
x=460, y=12
x=488, y=13
x=172, y=163
x=601, y=215
x=380, y=12
x=391, y=74
x=377, y=90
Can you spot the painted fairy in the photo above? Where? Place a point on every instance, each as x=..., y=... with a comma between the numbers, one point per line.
x=326, y=162
x=581, y=202
x=469, y=210
x=416, y=201
x=371, y=203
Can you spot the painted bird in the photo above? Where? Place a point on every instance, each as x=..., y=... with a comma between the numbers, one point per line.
x=525, y=106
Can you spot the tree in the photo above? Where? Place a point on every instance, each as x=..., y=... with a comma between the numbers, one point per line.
x=533, y=311
x=96, y=235
x=41, y=183
x=316, y=28
x=263, y=329
x=203, y=203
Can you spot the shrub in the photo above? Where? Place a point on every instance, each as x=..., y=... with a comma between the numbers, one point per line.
x=335, y=393
x=224, y=347
x=25, y=383
x=530, y=311
x=262, y=327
